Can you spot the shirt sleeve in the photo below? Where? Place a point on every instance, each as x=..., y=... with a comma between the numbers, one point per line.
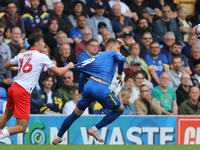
x=148, y=60
x=155, y=95
x=47, y=62
x=165, y=60
x=174, y=95
x=14, y=61
x=121, y=61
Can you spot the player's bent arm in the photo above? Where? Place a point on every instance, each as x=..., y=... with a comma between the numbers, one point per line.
x=61, y=70
x=9, y=66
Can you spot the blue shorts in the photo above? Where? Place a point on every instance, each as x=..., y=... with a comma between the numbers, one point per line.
x=95, y=91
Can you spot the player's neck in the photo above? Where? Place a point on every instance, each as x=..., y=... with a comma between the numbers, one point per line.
x=34, y=48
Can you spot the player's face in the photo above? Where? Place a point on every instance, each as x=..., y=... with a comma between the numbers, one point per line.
x=126, y=98
x=41, y=45
x=177, y=64
x=48, y=83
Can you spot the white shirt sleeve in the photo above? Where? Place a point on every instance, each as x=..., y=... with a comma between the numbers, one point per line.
x=47, y=62
x=14, y=61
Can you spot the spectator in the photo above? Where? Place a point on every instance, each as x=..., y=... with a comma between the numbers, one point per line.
x=46, y=50
x=146, y=40
x=101, y=27
x=78, y=6
x=35, y=17
x=105, y=35
x=91, y=4
x=165, y=24
x=195, y=55
x=99, y=11
x=191, y=106
x=157, y=63
x=12, y=19
x=134, y=53
x=142, y=28
x=36, y=102
x=124, y=96
x=82, y=46
x=52, y=101
x=5, y=50
x=196, y=76
x=176, y=51
x=66, y=90
x=61, y=38
x=69, y=7
x=185, y=26
x=92, y=49
x=125, y=9
x=192, y=40
x=98, y=109
x=166, y=96
x=182, y=91
x=66, y=56
x=70, y=106
x=76, y=32
x=139, y=79
x=175, y=74
x=16, y=41
x=145, y=104
x=121, y=23
x=169, y=39
x=49, y=37
x=7, y=35
x=135, y=66
x=5, y=75
x=63, y=21
x=157, y=7
x=128, y=83
x=128, y=40
x=149, y=14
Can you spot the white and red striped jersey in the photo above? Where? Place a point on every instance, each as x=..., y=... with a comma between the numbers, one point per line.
x=30, y=65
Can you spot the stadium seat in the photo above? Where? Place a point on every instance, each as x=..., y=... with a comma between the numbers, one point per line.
x=1, y=106
x=190, y=6
x=3, y=93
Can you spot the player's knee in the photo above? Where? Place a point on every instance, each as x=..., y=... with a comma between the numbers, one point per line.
x=78, y=111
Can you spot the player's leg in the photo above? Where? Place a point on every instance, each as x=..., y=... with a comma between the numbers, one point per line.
x=20, y=127
x=5, y=117
x=112, y=102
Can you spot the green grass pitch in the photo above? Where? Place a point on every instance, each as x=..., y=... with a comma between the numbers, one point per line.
x=99, y=147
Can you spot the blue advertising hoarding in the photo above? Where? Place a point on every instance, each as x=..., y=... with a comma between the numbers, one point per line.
x=125, y=130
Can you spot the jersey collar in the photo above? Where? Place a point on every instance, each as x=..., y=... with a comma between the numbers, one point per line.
x=33, y=50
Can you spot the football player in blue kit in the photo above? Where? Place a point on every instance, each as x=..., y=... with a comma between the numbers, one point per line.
x=99, y=70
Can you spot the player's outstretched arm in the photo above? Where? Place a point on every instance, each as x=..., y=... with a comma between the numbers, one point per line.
x=61, y=70
x=9, y=66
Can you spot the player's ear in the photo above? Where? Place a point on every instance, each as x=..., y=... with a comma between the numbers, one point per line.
x=110, y=46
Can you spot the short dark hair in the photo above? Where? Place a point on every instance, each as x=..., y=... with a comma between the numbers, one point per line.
x=176, y=43
x=142, y=17
x=92, y=40
x=143, y=85
x=36, y=30
x=154, y=42
x=51, y=20
x=20, y=48
x=75, y=89
x=33, y=38
x=139, y=72
x=175, y=58
x=128, y=76
x=2, y=25
x=47, y=77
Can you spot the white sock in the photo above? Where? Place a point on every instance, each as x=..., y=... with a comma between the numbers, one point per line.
x=58, y=138
x=4, y=133
x=94, y=128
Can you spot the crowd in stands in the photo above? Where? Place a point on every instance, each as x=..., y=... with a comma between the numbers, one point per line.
x=162, y=56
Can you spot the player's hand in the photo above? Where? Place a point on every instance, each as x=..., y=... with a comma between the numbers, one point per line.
x=14, y=68
x=71, y=65
x=120, y=80
x=45, y=21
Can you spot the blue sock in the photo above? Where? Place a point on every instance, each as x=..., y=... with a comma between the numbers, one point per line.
x=67, y=123
x=108, y=119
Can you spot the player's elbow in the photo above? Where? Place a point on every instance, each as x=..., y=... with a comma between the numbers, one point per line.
x=58, y=73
